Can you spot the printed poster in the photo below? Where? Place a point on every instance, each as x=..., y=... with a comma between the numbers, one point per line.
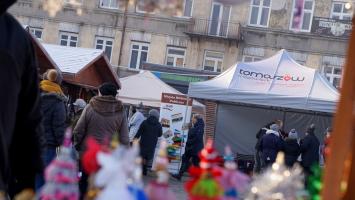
x=175, y=116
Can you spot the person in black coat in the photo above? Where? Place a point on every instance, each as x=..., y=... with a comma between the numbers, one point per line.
x=271, y=144
x=258, y=154
x=291, y=148
x=20, y=118
x=309, y=150
x=53, y=106
x=149, y=132
x=194, y=145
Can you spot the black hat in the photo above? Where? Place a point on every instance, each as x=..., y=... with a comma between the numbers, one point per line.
x=108, y=89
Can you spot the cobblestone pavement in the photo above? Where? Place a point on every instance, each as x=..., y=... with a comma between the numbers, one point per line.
x=176, y=186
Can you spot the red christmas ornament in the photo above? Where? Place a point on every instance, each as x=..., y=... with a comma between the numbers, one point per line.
x=89, y=160
x=204, y=183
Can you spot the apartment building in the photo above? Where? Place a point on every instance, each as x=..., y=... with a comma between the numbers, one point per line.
x=211, y=35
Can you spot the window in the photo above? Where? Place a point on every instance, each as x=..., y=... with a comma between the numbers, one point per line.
x=175, y=57
x=332, y=69
x=139, y=55
x=219, y=20
x=260, y=13
x=248, y=58
x=68, y=39
x=37, y=32
x=188, y=8
x=333, y=74
x=104, y=44
x=253, y=54
x=306, y=17
x=213, y=61
x=109, y=4
x=339, y=11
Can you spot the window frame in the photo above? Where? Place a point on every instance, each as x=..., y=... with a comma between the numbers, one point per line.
x=140, y=44
x=259, y=14
x=341, y=14
x=219, y=19
x=34, y=29
x=252, y=57
x=105, y=39
x=332, y=75
x=175, y=56
x=214, y=59
x=109, y=7
x=302, y=18
x=69, y=34
x=192, y=9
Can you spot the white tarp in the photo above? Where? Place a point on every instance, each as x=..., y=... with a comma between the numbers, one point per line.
x=146, y=88
x=277, y=81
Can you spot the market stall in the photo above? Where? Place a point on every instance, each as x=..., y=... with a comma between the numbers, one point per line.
x=145, y=88
x=249, y=95
x=83, y=69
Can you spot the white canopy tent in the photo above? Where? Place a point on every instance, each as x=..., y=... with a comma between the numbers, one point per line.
x=277, y=81
x=250, y=95
x=146, y=88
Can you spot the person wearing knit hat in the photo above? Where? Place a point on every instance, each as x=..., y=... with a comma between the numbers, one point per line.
x=270, y=145
x=53, y=104
x=149, y=132
x=292, y=148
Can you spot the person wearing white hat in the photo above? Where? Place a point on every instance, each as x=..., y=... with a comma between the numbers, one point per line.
x=79, y=106
x=292, y=148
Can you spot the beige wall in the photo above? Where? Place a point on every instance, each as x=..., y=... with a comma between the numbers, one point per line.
x=51, y=32
x=202, y=9
x=157, y=49
x=280, y=16
x=313, y=61
x=87, y=36
x=323, y=8
x=116, y=47
x=241, y=13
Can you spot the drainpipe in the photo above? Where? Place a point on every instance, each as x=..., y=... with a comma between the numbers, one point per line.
x=123, y=31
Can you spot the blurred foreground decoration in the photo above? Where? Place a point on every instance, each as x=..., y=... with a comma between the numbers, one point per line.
x=54, y=6
x=339, y=176
x=278, y=182
x=165, y=7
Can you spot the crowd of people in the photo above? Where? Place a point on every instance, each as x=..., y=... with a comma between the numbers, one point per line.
x=271, y=139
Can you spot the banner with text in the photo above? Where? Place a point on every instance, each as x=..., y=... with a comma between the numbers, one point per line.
x=175, y=116
x=276, y=75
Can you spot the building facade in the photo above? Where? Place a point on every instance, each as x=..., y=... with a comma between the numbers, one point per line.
x=211, y=35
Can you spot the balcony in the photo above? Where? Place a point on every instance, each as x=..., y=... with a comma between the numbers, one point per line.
x=214, y=29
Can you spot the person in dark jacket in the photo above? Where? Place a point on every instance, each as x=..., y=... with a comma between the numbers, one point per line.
x=309, y=150
x=149, y=132
x=194, y=145
x=103, y=117
x=271, y=144
x=54, y=118
x=291, y=148
x=258, y=154
x=20, y=119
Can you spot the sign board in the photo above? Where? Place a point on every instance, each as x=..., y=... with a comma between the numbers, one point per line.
x=181, y=78
x=175, y=115
x=331, y=27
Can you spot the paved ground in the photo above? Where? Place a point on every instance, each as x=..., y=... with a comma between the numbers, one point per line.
x=176, y=186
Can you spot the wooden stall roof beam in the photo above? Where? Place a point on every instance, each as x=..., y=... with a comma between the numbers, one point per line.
x=343, y=135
